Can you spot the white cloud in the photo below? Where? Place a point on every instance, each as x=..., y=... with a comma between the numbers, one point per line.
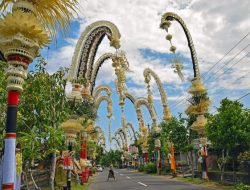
x=215, y=27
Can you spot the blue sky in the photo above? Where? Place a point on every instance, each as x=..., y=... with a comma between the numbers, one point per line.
x=215, y=27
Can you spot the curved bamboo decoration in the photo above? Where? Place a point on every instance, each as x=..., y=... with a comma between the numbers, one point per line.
x=197, y=89
x=120, y=58
x=169, y=16
x=130, y=97
x=96, y=68
x=101, y=135
x=109, y=101
x=130, y=126
x=142, y=127
x=87, y=45
x=120, y=135
x=117, y=141
x=137, y=104
x=101, y=88
x=124, y=135
x=120, y=65
x=138, y=112
x=147, y=75
x=143, y=101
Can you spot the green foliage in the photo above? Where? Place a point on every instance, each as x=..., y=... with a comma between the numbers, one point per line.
x=99, y=154
x=151, y=145
x=37, y=146
x=81, y=81
x=150, y=168
x=241, y=186
x=91, y=147
x=43, y=107
x=140, y=168
x=197, y=98
x=175, y=131
x=244, y=156
x=85, y=109
x=94, y=170
x=230, y=127
x=224, y=160
x=3, y=99
x=111, y=157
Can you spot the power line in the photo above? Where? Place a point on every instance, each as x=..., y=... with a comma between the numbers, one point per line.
x=243, y=76
x=204, y=75
x=226, y=63
x=243, y=96
x=232, y=66
x=180, y=97
x=185, y=99
x=237, y=99
x=177, y=100
x=239, y=78
x=220, y=69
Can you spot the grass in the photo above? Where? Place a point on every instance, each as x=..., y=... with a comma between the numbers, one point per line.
x=80, y=187
x=77, y=187
x=211, y=184
x=74, y=187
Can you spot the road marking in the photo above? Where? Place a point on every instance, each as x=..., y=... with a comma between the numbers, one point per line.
x=142, y=184
x=128, y=177
x=121, y=174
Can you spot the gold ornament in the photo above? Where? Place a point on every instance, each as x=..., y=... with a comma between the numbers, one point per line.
x=52, y=14
x=26, y=25
x=197, y=87
x=199, y=124
x=71, y=127
x=178, y=67
x=19, y=163
x=199, y=108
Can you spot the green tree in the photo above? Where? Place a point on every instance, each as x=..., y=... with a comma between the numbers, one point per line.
x=43, y=107
x=3, y=99
x=99, y=154
x=178, y=132
x=229, y=128
x=175, y=131
x=112, y=157
x=192, y=135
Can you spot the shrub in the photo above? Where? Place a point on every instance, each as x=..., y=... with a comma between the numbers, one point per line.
x=241, y=186
x=166, y=170
x=141, y=168
x=150, y=168
x=244, y=156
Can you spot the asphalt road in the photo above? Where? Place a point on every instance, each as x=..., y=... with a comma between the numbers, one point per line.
x=128, y=180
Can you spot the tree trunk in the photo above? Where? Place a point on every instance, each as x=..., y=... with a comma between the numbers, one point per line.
x=192, y=163
x=222, y=166
x=234, y=171
x=34, y=182
x=26, y=180
x=52, y=171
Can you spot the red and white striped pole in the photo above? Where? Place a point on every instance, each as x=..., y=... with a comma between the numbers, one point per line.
x=83, y=156
x=16, y=74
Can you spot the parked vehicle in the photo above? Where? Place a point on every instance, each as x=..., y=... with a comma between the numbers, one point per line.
x=99, y=168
